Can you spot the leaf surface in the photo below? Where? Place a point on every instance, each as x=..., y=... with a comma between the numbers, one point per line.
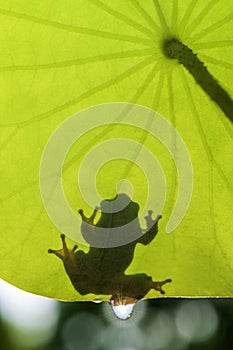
x=58, y=58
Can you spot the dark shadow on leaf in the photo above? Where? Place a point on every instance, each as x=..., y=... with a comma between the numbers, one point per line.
x=101, y=271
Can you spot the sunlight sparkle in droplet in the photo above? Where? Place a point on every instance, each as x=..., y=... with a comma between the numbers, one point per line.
x=123, y=312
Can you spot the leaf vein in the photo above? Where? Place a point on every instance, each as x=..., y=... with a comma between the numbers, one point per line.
x=76, y=29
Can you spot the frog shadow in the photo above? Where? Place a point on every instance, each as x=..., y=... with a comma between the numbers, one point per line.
x=101, y=271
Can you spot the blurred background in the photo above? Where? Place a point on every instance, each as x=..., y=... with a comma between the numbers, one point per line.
x=30, y=322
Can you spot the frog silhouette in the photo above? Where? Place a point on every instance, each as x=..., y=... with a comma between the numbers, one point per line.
x=101, y=271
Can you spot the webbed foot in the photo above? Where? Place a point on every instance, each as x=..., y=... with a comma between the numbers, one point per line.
x=158, y=285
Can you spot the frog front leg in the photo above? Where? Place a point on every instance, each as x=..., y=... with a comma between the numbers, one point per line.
x=89, y=220
x=151, y=230
x=65, y=254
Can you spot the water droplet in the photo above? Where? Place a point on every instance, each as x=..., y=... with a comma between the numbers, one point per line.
x=123, y=309
x=97, y=300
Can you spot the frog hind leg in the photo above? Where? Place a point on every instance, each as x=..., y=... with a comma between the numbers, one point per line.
x=158, y=285
x=135, y=286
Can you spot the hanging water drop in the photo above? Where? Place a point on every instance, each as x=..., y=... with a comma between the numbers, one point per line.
x=97, y=300
x=123, y=309
x=123, y=312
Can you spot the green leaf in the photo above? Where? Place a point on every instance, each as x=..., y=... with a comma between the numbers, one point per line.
x=59, y=58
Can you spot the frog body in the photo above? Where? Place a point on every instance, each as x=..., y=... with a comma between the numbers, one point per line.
x=102, y=270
